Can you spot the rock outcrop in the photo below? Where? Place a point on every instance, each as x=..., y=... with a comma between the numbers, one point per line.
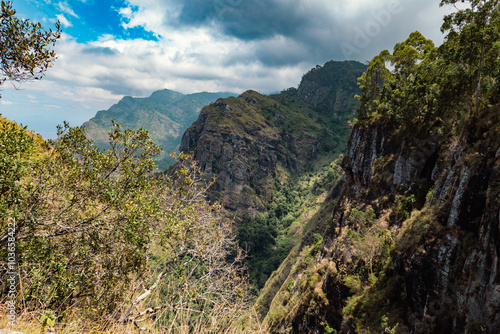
x=243, y=146
x=245, y=141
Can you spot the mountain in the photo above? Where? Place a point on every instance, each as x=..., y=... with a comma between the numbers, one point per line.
x=412, y=239
x=166, y=114
x=246, y=141
x=269, y=153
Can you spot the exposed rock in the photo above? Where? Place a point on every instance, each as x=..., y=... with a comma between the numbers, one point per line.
x=243, y=150
x=362, y=149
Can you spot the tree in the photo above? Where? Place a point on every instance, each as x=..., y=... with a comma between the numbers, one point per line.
x=95, y=229
x=81, y=217
x=372, y=83
x=24, y=47
x=473, y=44
x=195, y=281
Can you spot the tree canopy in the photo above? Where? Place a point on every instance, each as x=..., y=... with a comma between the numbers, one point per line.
x=25, y=47
x=418, y=84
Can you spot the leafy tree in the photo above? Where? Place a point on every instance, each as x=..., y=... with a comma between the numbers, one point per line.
x=81, y=217
x=94, y=227
x=16, y=149
x=24, y=46
x=408, y=91
x=472, y=45
x=372, y=82
x=414, y=61
x=195, y=277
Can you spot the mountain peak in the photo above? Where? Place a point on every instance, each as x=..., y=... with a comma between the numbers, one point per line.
x=165, y=96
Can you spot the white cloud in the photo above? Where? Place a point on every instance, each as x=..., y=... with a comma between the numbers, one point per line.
x=193, y=58
x=4, y=102
x=52, y=106
x=64, y=21
x=65, y=8
x=152, y=15
x=208, y=55
x=200, y=57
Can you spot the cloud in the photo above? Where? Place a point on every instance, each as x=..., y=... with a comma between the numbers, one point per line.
x=220, y=45
x=32, y=99
x=65, y=8
x=52, y=106
x=321, y=29
x=4, y=102
x=227, y=45
x=64, y=21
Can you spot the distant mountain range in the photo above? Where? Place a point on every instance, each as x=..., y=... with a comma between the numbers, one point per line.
x=166, y=114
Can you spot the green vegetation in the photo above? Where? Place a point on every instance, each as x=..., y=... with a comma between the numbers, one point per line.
x=383, y=239
x=99, y=238
x=96, y=235
x=269, y=237
x=433, y=86
x=303, y=133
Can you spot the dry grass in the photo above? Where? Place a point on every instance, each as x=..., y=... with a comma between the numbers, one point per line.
x=29, y=323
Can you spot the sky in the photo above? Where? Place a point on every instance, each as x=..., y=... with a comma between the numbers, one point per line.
x=115, y=48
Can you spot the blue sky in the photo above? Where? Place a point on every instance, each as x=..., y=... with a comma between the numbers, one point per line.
x=113, y=48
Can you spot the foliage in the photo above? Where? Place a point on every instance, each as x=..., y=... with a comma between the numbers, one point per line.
x=81, y=219
x=15, y=151
x=24, y=46
x=403, y=205
x=429, y=85
x=472, y=49
x=94, y=226
x=268, y=237
x=386, y=327
x=196, y=262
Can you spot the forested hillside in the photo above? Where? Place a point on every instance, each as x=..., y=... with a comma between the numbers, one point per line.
x=272, y=156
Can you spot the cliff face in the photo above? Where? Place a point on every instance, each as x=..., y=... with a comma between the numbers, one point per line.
x=245, y=141
x=326, y=87
x=241, y=141
x=450, y=279
x=413, y=241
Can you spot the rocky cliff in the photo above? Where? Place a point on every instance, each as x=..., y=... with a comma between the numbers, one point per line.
x=241, y=143
x=412, y=242
x=246, y=141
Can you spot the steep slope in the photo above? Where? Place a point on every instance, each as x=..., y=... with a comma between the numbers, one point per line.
x=411, y=244
x=166, y=114
x=245, y=142
x=329, y=89
x=271, y=158
x=413, y=241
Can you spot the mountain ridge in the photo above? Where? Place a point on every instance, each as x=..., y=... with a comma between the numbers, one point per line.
x=165, y=113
